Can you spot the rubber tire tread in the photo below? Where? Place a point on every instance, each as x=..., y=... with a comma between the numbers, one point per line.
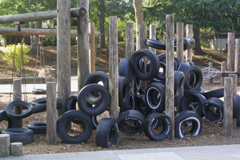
x=38, y=127
x=107, y=129
x=215, y=102
x=23, y=104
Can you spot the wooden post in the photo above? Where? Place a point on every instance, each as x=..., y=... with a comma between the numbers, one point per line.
x=189, y=34
x=152, y=35
x=169, y=86
x=113, y=66
x=180, y=31
x=228, y=106
x=83, y=44
x=230, y=51
x=92, y=46
x=236, y=66
x=129, y=49
x=51, y=132
x=235, y=78
x=142, y=45
x=16, y=149
x=63, y=52
x=223, y=70
x=17, y=95
x=210, y=64
x=4, y=145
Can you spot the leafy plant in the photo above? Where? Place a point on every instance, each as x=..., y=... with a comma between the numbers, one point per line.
x=13, y=55
x=207, y=58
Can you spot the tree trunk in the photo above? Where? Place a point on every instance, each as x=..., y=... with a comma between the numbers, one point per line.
x=196, y=35
x=138, y=18
x=102, y=21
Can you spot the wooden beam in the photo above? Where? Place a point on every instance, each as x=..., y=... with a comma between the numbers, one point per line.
x=189, y=34
x=152, y=35
x=230, y=51
x=73, y=21
x=35, y=32
x=38, y=16
x=83, y=44
x=63, y=53
x=92, y=46
x=17, y=95
x=180, y=32
x=169, y=86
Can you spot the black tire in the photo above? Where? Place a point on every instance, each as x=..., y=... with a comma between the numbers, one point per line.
x=73, y=95
x=125, y=69
x=132, y=104
x=184, y=67
x=94, y=78
x=98, y=109
x=38, y=127
x=193, y=101
x=12, y=123
x=218, y=93
x=236, y=106
x=193, y=78
x=213, y=109
x=123, y=93
x=184, y=117
x=63, y=122
x=131, y=122
x=23, y=135
x=156, y=44
x=19, y=103
x=155, y=97
x=150, y=128
x=154, y=64
x=107, y=133
x=162, y=58
x=179, y=79
x=38, y=91
x=39, y=105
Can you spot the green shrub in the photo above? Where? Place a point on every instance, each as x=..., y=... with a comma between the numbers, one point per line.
x=13, y=58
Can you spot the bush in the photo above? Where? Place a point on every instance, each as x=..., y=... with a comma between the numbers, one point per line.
x=13, y=58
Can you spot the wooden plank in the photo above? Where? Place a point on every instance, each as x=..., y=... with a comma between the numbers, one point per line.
x=17, y=95
x=129, y=46
x=142, y=45
x=180, y=32
x=16, y=149
x=169, y=85
x=113, y=66
x=228, y=107
x=189, y=34
x=73, y=21
x=223, y=70
x=4, y=145
x=235, y=78
x=35, y=16
x=210, y=64
x=51, y=132
x=83, y=44
x=92, y=46
x=152, y=35
x=63, y=53
x=230, y=51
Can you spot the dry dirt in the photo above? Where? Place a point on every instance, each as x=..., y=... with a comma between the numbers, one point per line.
x=212, y=133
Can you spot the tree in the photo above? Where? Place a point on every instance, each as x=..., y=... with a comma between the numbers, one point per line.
x=215, y=15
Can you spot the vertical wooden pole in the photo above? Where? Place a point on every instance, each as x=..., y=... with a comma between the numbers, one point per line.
x=92, y=46
x=63, y=52
x=230, y=52
x=223, y=70
x=4, y=145
x=189, y=34
x=51, y=132
x=17, y=95
x=152, y=35
x=129, y=49
x=235, y=78
x=169, y=86
x=142, y=45
x=236, y=66
x=83, y=43
x=113, y=66
x=210, y=64
x=228, y=106
x=180, y=31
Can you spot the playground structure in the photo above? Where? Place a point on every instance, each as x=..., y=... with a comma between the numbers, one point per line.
x=84, y=62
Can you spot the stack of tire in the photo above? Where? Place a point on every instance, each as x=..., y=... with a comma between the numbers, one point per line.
x=24, y=135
